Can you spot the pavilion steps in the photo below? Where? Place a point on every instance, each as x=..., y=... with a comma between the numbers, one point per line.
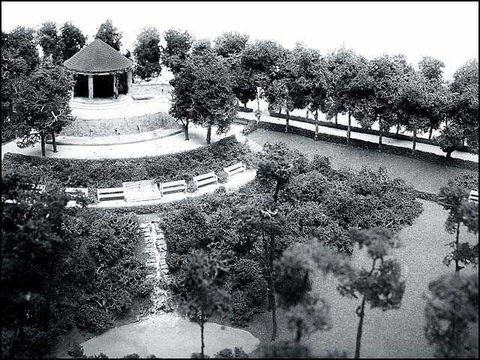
x=100, y=104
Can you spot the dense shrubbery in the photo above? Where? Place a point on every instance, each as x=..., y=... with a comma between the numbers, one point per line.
x=112, y=172
x=76, y=268
x=316, y=202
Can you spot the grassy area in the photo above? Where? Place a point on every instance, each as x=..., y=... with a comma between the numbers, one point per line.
x=422, y=175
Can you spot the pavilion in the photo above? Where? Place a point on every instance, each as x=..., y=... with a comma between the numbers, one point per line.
x=100, y=71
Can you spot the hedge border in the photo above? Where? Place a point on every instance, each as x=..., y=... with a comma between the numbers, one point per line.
x=395, y=150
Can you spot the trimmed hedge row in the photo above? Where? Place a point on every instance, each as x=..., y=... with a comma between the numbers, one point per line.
x=112, y=172
x=418, y=154
x=363, y=130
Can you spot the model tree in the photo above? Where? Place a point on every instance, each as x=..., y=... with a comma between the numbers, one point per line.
x=71, y=40
x=147, y=54
x=109, y=34
x=452, y=316
x=43, y=105
x=200, y=284
x=49, y=40
x=176, y=50
x=380, y=286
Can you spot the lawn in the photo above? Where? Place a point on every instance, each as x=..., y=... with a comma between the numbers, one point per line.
x=423, y=176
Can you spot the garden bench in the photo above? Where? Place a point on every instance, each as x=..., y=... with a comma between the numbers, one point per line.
x=235, y=169
x=473, y=196
x=205, y=179
x=39, y=188
x=111, y=194
x=141, y=190
x=173, y=186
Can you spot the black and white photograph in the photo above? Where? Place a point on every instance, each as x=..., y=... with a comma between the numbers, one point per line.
x=239, y=179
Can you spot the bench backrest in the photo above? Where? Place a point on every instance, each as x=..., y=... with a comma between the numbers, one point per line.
x=106, y=191
x=173, y=184
x=234, y=167
x=473, y=195
x=84, y=191
x=204, y=176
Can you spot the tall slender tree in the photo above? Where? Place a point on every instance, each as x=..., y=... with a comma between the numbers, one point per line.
x=110, y=34
x=71, y=40
x=176, y=50
x=147, y=54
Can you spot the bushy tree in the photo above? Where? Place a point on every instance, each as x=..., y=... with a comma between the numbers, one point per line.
x=49, y=40
x=109, y=34
x=453, y=198
x=346, y=72
x=202, y=295
x=176, y=50
x=259, y=61
x=147, y=54
x=452, y=316
x=43, y=105
x=380, y=286
x=450, y=139
x=71, y=40
x=230, y=44
x=201, y=47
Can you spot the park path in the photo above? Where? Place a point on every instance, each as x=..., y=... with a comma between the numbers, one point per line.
x=157, y=146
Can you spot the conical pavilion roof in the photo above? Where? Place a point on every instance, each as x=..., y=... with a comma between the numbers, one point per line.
x=98, y=57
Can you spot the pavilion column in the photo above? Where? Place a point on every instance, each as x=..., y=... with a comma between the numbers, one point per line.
x=115, y=90
x=129, y=80
x=73, y=86
x=90, y=86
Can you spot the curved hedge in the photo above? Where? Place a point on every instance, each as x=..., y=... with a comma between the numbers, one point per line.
x=112, y=172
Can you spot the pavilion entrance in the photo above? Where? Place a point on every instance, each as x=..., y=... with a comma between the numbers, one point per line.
x=103, y=86
x=81, y=86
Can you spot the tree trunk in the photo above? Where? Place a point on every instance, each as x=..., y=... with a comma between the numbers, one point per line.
x=430, y=133
x=457, y=238
x=287, y=120
x=336, y=119
x=272, y=289
x=245, y=104
x=277, y=190
x=306, y=114
x=258, y=107
x=202, y=325
x=298, y=333
x=380, y=133
x=54, y=143
x=185, y=130
x=398, y=128
x=449, y=154
x=316, y=124
x=209, y=134
x=361, y=314
x=349, y=128
x=414, y=139
x=42, y=143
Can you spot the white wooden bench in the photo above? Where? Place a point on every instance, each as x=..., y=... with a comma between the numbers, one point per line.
x=473, y=196
x=205, y=179
x=39, y=188
x=141, y=190
x=235, y=169
x=173, y=186
x=110, y=194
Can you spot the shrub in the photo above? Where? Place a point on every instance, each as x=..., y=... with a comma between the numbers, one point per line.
x=222, y=177
x=308, y=187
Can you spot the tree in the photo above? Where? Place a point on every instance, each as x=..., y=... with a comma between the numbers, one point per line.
x=453, y=198
x=147, y=54
x=109, y=34
x=43, y=105
x=50, y=41
x=378, y=85
x=71, y=40
x=230, y=44
x=283, y=349
x=311, y=81
x=259, y=61
x=262, y=224
x=345, y=93
x=19, y=59
x=380, y=286
x=176, y=50
x=182, y=97
x=279, y=163
x=201, y=289
x=31, y=243
x=450, y=139
x=307, y=317
x=214, y=103
x=201, y=47
x=464, y=107
x=452, y=315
